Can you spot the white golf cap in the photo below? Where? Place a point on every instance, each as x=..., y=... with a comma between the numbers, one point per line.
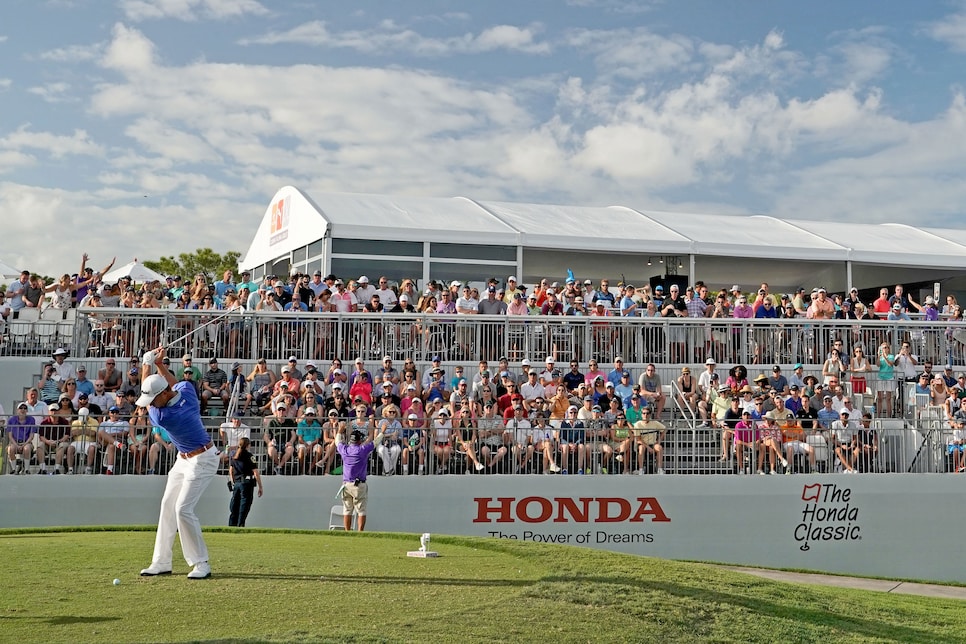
x=512, y=278
x=84, y=411
x=710, y=361
x=150, y=388
x=292, y=359
x=310, y=410
x=550, y=359
x=363, y=280
x=525, y=362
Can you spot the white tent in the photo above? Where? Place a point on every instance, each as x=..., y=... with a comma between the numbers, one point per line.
x=8, y=271
x=138, y=272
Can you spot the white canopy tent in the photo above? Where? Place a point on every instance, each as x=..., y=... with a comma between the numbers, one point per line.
x=8, y=271
x=137, y=272
x=420, y=237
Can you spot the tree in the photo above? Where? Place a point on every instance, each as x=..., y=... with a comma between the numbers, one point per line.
x=203, y=260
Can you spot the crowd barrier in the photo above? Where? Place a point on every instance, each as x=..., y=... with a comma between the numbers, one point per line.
x=895, y=445
x=320, y=336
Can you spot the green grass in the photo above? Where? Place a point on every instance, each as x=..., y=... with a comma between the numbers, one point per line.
x=302, y=586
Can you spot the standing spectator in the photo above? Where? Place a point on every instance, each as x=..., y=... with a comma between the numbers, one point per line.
x=244, y=475
x=355, y=458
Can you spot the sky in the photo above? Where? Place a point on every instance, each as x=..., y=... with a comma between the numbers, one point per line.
x=143, y=128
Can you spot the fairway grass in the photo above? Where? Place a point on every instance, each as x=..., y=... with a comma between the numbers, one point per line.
x=300, y=586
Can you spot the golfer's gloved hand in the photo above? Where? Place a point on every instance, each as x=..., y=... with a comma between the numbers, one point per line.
x=149, y=358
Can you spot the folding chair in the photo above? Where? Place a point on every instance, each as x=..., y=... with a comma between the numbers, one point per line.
x=336, y=518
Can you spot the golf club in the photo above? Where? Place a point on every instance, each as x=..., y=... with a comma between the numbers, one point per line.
x=201, y=326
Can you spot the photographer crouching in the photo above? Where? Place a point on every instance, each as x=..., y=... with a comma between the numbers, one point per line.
x=355, y=462
x=244, y=476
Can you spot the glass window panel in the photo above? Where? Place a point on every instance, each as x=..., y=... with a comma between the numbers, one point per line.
x=316, y=248
x=471, y=251
x=347, y=269
x=298, y=255
x=462, y=272
x=377, y=247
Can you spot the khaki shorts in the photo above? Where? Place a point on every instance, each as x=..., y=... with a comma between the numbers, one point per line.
x=355, y=497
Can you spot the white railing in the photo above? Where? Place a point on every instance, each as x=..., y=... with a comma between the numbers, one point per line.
x=900, y=446
x=124, y=332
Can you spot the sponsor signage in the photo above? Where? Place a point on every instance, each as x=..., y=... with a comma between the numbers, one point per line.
x=278, y=226
x=887, y=525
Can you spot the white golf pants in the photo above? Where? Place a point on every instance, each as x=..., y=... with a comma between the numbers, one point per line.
x=187, y=481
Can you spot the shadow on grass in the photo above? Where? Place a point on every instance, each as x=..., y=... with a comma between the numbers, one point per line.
x=372, y=579
x=848, y=623
x=62, y=620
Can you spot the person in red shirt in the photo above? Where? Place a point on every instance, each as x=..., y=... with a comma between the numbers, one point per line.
x=881, y=306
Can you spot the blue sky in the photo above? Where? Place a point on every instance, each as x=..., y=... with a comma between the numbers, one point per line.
x=152, y=127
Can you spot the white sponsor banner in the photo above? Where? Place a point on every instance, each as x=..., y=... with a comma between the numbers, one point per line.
x=896, y=526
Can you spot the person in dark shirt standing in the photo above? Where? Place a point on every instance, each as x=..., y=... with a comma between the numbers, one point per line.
x=243, y=477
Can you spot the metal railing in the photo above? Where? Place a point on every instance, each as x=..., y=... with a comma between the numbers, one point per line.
x=895, y=445
x=248, y=336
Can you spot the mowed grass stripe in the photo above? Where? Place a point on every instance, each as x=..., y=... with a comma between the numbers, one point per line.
x=305, y=586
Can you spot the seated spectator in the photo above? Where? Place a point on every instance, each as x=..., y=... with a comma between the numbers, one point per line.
x=465, y=437
x=746, y=436
x=280, y=438
x=652, y=390
x=330, y=428
x=844, y=439
x=83, y=432
x=308, y=439
x=214, y=384
x=867, y=446
x=490, y=429
x=113, y=436
x=55, y=435
x=649, y=434
x=161, y=442
x=230, y=432
x=391, y=446
x=794, y=438
x=770, y=437
x=21, y=430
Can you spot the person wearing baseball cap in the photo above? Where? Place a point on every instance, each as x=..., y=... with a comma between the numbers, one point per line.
x=175, y=406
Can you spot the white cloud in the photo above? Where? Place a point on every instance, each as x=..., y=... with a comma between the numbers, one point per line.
x=3, y=38
x=73, y=53
x=55, y=145
x=5, y=83
x=86, y=215
x=616, y=6
x=951, y=30
x=53, y=92
x=631, y=53
x=129, y=52
x=190, y=10
x=390, y=38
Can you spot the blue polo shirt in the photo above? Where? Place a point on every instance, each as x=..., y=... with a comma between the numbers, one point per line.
x=182, y=418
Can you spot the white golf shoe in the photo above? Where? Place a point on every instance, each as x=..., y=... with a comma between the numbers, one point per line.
x=156, y=569
x=200, y=571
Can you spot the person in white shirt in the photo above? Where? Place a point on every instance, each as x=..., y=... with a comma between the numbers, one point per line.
x=843, y=432
x=386, y=295
x=364, y=292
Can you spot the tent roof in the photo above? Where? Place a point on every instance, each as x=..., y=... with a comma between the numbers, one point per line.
x=581, y=228
x=592, y=229
x=138, y=272
x=892, y=243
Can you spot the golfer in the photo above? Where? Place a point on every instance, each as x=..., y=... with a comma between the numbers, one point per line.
x=173, y=405
x=355, y=459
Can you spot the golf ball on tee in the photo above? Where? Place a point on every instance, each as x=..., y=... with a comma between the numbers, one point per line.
x=117, y=582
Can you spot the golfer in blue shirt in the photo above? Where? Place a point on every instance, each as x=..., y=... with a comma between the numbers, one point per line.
x=173, y=405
